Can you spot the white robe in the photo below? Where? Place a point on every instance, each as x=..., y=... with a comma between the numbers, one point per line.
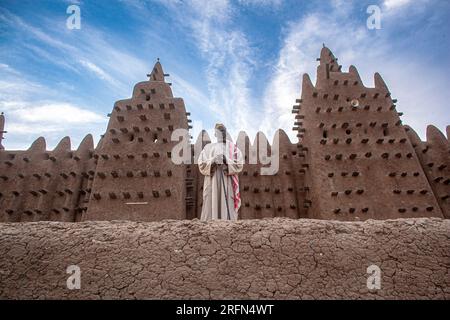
x=220, y=201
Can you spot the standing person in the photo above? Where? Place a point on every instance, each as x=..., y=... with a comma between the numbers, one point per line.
x=221, y=163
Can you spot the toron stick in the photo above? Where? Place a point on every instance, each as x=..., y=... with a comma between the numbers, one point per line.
x=226, y=195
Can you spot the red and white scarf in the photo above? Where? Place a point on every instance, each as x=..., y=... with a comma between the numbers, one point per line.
x=235, y=180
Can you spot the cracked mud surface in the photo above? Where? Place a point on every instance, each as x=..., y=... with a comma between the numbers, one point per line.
x=254, y=259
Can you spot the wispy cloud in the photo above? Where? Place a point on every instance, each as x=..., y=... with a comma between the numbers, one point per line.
x=99, y=72
x=301, y=46
x=88, y=52
x=352, y=43
x=11, y=19
x=26, y=120
x=6, y=68
x=32, y=110
x=62, y=62
x=393, y=4
x=185, y=89
x=59, y=113
x=262, y=3
x=229, y=57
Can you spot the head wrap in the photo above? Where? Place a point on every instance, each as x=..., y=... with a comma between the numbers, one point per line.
x=220, y=126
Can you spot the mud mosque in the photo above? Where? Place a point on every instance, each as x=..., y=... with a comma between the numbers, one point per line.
x=354, y=160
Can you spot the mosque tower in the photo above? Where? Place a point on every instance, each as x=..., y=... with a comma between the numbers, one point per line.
x=361, y=163
x=136, y=178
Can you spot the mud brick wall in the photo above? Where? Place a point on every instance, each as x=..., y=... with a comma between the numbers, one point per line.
x=351, y=141
x=356, y=144
x=37, y=184
x=268, y=259
x=434, y=155
x=277, y=195
x=135, y=171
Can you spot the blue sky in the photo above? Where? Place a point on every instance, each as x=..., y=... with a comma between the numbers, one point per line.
x=239, y=62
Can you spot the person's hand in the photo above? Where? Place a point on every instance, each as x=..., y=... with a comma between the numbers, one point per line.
x=213, y=168
x=218, y=159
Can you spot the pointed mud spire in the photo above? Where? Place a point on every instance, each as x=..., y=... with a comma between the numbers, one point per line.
x=379, y=82
x=327, y=67
x=413, y=136
x=87, y=144
x=254, y=149
x=63, y=146
x=307, y=86
x=354, y=71
x=261, y=141
x=100, y=143
x=203, y=139
x=436, y=138
x=157, y=72
x=85, y=149
x=448, y=133
x=2, y=130
x=281, y=141
x=262, y=146
x=243, y=143
x=282, y=135
x=242, y=136
x=2, y=122
x=327, y=58
x=39, y=145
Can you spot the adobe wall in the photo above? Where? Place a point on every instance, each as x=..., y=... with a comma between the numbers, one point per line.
x=435, y=160
x=344, y=153
x=37, y=184
x=135, y=170
x=356, y=143
x=268, y=259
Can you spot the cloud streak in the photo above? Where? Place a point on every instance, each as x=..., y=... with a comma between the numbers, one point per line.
x=393, y=4
x=369, y=51
x=237, y=90
x=32, y=110
x=99, y=72
x=228, y=55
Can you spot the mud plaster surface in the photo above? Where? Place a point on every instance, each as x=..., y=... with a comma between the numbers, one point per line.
x=254, y=259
